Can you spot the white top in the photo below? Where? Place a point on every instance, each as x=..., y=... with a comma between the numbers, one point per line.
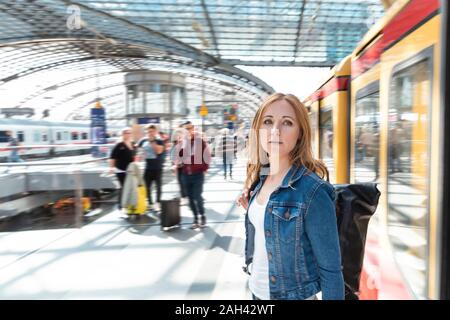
x=259, y=278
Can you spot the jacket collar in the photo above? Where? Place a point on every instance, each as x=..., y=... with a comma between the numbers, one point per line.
x=294, y=174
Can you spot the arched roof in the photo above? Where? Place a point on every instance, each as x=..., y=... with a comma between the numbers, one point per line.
x=61, y=55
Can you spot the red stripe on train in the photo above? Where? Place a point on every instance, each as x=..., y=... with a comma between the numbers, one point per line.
x=411, y=16
x=340, y=83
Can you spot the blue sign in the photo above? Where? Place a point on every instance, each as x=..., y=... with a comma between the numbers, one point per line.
x=98, y=130
x=148, y=120
x=230, y=125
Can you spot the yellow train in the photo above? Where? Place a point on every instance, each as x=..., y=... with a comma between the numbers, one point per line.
x=381, y=116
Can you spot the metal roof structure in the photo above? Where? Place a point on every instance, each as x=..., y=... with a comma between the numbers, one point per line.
x=62, y=55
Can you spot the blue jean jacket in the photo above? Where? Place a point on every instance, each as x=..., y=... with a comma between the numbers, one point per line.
x=301, y=235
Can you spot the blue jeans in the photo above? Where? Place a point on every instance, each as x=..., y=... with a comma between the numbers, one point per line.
x=193, y=184
x=230, y=164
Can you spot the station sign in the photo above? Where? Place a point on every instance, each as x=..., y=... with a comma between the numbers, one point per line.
x=148, y=120
x=98, y=129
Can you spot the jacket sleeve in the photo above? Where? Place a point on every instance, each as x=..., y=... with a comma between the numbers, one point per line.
x=321, y=228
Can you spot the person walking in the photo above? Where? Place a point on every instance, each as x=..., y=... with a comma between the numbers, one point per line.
x=153, y=148
x=292, y=246
x=121, y=156
x=177, y=165
x=194, y=155
x=227, y=150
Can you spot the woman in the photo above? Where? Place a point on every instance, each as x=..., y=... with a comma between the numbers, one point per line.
x=121, y=156
x=291, y=231
x=177, y=166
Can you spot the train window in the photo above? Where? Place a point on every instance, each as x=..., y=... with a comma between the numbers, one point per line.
x=66, y=135
x=74, y=135
x=44, y=136
x=366, y=147
x=3, y=137
x=84, y=136
x=36, y=136
x=408, y=164
x=21, y=136
x=326, y=139
x=58, y=136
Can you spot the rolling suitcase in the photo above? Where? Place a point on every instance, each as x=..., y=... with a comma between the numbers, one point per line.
x=141, y=206
x=170, y=214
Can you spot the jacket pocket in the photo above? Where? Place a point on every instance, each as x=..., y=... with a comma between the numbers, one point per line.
x=286, y=221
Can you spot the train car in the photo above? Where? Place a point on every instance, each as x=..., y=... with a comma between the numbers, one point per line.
x=399, y=138
x=329, y=111
x=46, y=138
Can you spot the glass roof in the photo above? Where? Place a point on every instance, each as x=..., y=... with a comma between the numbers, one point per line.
x=61, y=55
x=249, y=32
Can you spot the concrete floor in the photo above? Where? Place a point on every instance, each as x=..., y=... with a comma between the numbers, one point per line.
x=114, y=258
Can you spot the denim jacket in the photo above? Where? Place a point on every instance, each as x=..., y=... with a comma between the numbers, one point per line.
x=301, y=235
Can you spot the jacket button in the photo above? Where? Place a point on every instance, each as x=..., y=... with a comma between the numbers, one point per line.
x=269, y=256
x=287, y=215
x=273, y=279
x=268, y=233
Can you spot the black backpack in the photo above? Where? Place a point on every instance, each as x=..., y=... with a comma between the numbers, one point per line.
x=355, y=204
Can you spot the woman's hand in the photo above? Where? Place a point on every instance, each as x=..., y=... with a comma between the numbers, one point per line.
x=243, y=199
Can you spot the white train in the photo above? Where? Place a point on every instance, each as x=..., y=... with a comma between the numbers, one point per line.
x=36, y=136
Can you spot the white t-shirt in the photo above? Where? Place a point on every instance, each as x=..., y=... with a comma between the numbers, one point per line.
x=259, y=278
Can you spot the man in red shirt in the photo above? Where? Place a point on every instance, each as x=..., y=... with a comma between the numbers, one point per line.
x=195, y=157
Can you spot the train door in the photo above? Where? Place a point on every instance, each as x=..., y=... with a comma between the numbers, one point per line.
x=411, y=150
x=408, y=165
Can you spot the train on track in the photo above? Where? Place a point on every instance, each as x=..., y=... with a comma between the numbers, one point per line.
x=39, y=138
x=383, y=116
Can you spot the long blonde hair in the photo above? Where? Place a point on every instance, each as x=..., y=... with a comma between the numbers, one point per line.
x=300, y=155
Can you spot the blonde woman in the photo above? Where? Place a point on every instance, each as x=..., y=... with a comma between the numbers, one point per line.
x=292, y=245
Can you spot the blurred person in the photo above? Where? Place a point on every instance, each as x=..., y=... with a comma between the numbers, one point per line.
x=121, y=156
x=292, y=242
x=177, y=166
x=13, y=142
x=396, y=139
x=166, y=140
x=194, y=155
x=153, y=147
x=227, y=149
x=365, y=141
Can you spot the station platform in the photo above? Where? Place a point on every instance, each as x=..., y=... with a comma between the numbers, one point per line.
x=115, y=258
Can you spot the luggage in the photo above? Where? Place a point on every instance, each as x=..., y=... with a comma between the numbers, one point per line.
x=141, y=205
x=134, y=192
x=170, y=214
